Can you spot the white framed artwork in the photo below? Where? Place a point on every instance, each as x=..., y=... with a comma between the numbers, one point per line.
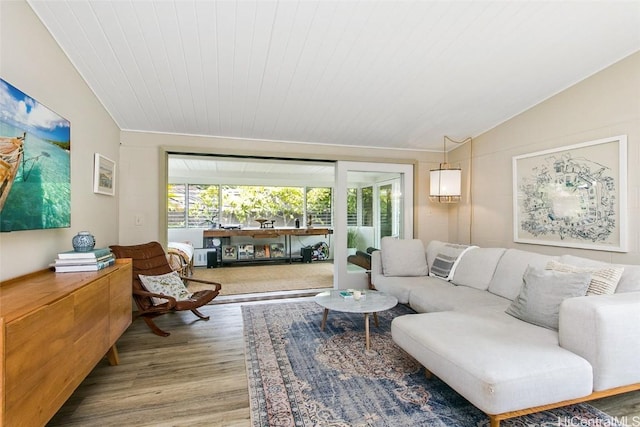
x=104, y=175
x=573, y=196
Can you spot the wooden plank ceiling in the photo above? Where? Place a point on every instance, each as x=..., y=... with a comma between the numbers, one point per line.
x=361, y=73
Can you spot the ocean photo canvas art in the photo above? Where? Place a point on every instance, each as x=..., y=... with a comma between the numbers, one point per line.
x=35, y=164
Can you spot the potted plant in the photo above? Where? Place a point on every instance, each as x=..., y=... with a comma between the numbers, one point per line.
x=352, y=241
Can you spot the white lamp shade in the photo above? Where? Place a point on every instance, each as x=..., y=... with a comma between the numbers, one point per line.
x=445, y=182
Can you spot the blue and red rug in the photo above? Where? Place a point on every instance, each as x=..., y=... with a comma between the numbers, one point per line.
x=302, y=376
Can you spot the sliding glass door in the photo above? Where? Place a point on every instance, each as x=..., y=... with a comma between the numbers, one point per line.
x=381, y=196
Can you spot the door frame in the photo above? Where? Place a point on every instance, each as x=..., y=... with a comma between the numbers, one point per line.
x=343, y=279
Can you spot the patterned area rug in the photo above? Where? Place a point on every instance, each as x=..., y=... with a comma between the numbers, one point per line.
x=301, y=376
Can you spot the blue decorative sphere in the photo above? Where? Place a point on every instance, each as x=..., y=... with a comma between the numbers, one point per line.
x=83, y=242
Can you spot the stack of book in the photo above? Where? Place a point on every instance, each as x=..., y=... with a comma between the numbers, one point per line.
x=94, y=260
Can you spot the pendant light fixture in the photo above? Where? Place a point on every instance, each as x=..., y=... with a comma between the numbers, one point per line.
x=445, y=182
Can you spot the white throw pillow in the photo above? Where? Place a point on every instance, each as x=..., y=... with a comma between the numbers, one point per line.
x=169, y=284
x=629, y=282
x=403, y=257
x=542, y=293
x=604, y=280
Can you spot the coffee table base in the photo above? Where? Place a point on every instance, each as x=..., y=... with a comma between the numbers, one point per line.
x=366, y=325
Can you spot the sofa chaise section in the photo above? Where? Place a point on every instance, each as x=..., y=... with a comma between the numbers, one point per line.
x=503, y=365
x=498, y=363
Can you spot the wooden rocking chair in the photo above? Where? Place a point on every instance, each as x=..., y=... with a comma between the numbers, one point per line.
x=149, y=259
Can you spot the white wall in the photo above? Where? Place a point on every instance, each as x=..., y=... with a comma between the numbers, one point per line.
x=31, y=60
x=37, y=66
x=604, y=105
x=143, y=175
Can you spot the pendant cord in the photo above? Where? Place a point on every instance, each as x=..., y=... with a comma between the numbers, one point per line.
x=469, y=180
x=471, y=214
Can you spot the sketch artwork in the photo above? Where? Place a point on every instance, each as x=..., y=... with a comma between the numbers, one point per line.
x=572, y=196
x=569, y=197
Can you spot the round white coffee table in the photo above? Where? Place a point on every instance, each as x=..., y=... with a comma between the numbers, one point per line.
x=369, y=302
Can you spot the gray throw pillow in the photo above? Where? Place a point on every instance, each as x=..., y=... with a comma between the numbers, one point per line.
x=542, y=292
x=403, y=257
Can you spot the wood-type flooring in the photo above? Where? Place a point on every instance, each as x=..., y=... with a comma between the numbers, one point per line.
x=195, y=377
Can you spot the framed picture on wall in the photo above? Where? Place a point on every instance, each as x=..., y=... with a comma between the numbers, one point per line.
x=573, y=196
x=35, y=164
x=104, y=175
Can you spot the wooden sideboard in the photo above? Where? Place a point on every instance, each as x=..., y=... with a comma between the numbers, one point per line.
x=263, y=233
x=55, y=328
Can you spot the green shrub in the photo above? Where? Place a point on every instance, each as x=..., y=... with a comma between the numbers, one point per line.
x=352, y=238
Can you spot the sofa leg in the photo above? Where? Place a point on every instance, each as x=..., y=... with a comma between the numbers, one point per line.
x=493, y=421
x=427, y=373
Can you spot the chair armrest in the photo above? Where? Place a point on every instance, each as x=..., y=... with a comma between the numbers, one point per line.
x=171, y=301
x=361, y=259
x=217, y=285
x=604, y=330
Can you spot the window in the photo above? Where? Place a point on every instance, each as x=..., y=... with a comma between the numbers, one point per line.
x=203, y=205
x=386, y=210
x=237, y=204
x=367, y=207
x=176, y=206
x=352, y=207
x=244, y=204
x=319, y=205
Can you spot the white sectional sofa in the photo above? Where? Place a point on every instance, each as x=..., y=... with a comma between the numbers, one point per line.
x=558, y=346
